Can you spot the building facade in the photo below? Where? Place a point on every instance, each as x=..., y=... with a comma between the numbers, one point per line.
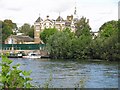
x=19, y=39
x=59, y=24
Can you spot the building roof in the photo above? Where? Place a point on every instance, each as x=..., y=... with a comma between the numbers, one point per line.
x=59, y=18
x=75, y=20
x=23, y=38
x=47, y=20
x=39, y=19
x=70, y=18
x=67, y=23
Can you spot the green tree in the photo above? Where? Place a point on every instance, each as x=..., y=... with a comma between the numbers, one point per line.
x=10, y=23
x=108, y=28
x=59, y=44
x=7, y=28
x=110, y=45
x=106, y=45
x=82, y=43
x=66, y=44
x=12, y=77
x=25, y=28
x=81, y=46
x=47, y=33
x=83, y=27
x=31, y=32
x=6, y=31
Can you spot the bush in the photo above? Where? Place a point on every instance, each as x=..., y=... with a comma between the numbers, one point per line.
x=12, y=77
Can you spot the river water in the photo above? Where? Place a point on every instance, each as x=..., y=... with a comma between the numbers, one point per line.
x=71, y=74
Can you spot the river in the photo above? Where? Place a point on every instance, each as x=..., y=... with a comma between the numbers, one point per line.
x=71, y=74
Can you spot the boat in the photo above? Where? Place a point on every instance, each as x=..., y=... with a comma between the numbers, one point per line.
x=45, y=56
x=32, y=55
x=15, y=55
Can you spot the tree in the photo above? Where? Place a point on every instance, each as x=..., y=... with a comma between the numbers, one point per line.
x=106, y=46
x=47, y=33
x=108, y=28
x=83, y=27
x=6, y=32
x=25, y=28
x=59, y=44
x=12, y=77
x=80, y=45
x=31, y=32
x=6, y=29
x=66, y=44
x=12, y=25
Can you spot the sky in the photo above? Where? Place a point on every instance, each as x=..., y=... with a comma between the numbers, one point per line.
x=27, y=11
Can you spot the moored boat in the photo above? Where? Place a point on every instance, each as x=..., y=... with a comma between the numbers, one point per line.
x=32, y=55
x=17, y=55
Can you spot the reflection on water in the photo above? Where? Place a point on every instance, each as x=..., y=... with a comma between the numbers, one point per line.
x=71, y=74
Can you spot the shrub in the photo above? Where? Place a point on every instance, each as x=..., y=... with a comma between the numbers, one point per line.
x=12, y=77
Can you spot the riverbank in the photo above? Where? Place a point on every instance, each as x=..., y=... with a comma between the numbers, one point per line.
x=21, y=53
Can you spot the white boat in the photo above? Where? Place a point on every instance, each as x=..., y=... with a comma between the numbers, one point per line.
x=32, y=55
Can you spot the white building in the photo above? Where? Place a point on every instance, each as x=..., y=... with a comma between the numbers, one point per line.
x=59, y=24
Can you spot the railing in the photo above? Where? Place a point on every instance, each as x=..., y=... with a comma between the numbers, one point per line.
x=23, y=46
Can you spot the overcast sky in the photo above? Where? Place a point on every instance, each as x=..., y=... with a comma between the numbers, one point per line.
x=27, y=11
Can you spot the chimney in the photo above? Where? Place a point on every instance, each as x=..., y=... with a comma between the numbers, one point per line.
x=47, y=16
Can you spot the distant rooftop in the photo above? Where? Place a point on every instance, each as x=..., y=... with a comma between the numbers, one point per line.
x=23, y=38
x=39, y=19
x=59, y=19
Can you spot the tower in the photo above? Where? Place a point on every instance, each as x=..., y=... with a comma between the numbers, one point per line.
x=75, y=17
x=74, y=20
x=75, y=11
x=37, y=30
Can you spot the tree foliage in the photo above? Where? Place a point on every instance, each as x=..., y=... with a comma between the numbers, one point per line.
x=59, y=44
x=47, y=33
x=108, y=29
x=27, y=29
x=31, y=32
x=65, y=44
x=83, y=27
x=10, y=24
x=106, y=45
x=12, y=77
x=7, y=28
x=80, y=45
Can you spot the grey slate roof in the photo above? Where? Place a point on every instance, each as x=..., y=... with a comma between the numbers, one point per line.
x=23, y=38
x=67, y=23
x=39, y=19
x=59, y=19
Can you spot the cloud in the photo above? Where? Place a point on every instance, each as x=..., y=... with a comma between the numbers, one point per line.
x=14, y=9
x=27, y=11
x=61, y=6
x=1, y=4
x=11, y=5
